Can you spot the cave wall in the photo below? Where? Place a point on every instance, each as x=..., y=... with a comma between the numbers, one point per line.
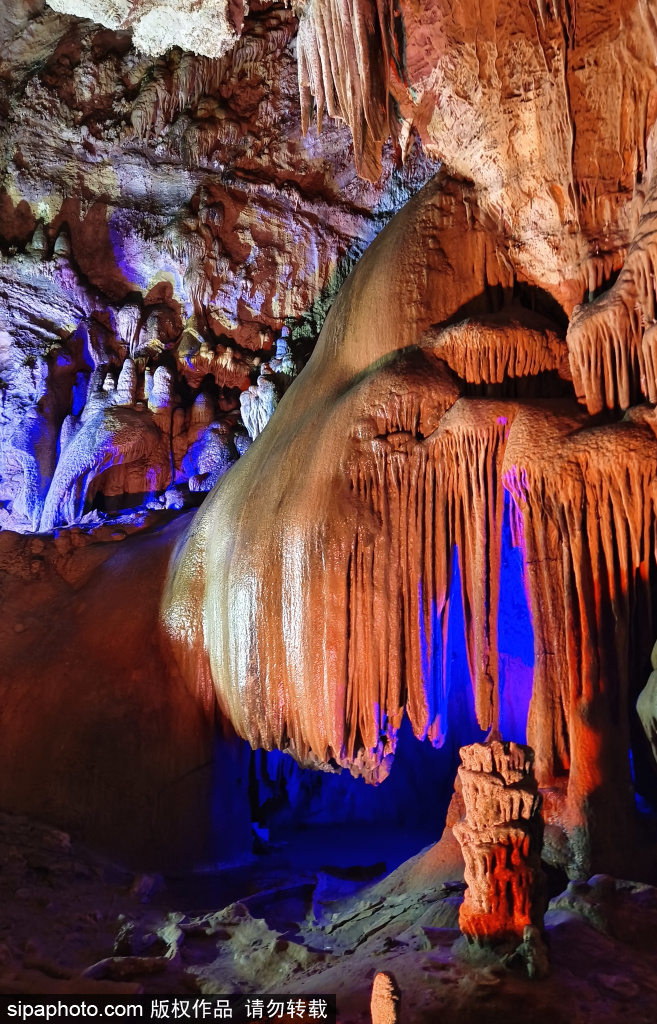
x=168, y=238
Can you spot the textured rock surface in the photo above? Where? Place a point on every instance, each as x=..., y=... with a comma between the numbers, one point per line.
x=172, y=233
x=168, y=213
x=72, y=923
x=501, y=837
x=546, y=107
x=210, y=28
x=381, y=463
x=98, y=734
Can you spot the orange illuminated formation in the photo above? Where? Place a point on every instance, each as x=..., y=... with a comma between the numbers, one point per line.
x=434, y=399
x=501, y=837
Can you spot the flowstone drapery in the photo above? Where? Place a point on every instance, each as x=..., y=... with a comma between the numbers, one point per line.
x=389, y=458
x=484, y=375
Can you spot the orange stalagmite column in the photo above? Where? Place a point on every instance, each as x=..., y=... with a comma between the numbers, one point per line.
x=501, y=837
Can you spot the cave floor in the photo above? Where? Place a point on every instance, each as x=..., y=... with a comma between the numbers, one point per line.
x=292, y=857
x=73, y=923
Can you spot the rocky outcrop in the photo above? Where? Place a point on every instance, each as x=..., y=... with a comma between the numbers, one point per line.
x=210, y=28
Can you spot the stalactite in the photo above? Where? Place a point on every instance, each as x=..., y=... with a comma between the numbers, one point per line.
x=201, y=140
x=363, y=595
x=649, y=351
x=344, y=55
x=585, y=498
x=430, y=497
x=179, y=82
x=475, y=434
x=610, y=357
x=491, y=349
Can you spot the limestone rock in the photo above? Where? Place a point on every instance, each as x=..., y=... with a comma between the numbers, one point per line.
x=501, y=838
x=385, y=1004
x=646, y=706
x=207, y=28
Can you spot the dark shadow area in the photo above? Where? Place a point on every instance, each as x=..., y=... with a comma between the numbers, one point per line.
x=547, y=384
x=496, y=298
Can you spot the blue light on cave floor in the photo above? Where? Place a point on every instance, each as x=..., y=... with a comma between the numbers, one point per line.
x=313, y=811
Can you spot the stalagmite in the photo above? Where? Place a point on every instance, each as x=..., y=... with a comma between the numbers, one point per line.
x=501, y=837
x=202, y=412
x=209, y=458
x=62, y=247
x=258, y=403
x=161, y=394
x=38, y=245
x=385, y=1004
x=283, y=364
x=126, y=387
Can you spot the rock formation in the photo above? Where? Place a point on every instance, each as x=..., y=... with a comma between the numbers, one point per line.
x=501, y=837
x=345, y=55
x=122, y=431
x=210, y=28
x=382, y=465
x=173, y=231
x=385, y=1002
x=196, y=278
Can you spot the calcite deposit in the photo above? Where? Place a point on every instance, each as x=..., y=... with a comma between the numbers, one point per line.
x=210, y=28
x=385, y=1002
x=501, y=837
x=387, y=459
x=376, y=282
x=194, y=261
